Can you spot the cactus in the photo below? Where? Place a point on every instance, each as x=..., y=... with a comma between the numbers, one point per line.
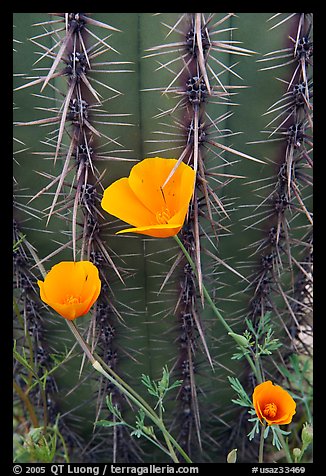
x=102, y=92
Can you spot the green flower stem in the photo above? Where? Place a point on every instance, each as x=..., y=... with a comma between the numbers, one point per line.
x=98, y=365
x=285, y=448
x=29, y=341
x=254, y=368
x=206, y=294
x=168, y=443
x=259, y=375
x=32, y=373
x=261, y=444
x=217, y=313
x=81, y=341
x=152, y=439
x=29, y=407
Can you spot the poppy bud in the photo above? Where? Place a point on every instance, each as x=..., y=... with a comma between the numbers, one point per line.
x=296, y=453
x=240, y=339
x=307, y=434
x=232, y=456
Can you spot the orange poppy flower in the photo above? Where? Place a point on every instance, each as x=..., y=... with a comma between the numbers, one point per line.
x=273, y=404
x=71, y=288
x=141, y=201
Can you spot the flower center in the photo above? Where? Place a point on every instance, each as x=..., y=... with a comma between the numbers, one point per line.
x=270, y=410
x=71, y=299
x=163, y=216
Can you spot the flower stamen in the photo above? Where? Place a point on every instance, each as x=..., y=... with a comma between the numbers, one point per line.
x=270, y=410
x=163, y=216
x=71, y=300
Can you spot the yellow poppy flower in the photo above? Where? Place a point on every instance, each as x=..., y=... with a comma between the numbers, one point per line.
x=141, y=201
x=273, y=404
x=71, y=288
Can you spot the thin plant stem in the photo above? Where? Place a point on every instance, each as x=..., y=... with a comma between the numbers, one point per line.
x=81, y=341
x=255, y=368
x=259, y=374
x=217, y=313
x=168, y=443
x=206, y=293
x=33, y=372
x=261, y=445
x=130, y=393
x=285, y=448
x=152, y=439
x=28, y=338
x=24, y=398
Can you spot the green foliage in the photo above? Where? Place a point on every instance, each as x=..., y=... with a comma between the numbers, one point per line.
x=40, y=445
x=243, y=399
x=277, y=432
x=260, y=339
x=161, y=388
x=139, y=429
x=24, y=358
x=18, y=243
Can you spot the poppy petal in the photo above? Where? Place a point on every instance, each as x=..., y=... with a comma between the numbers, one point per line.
x=42, y=291
x=148, y=176
x=180, y=188
x=157, y=231
x=180, y=216
x=71, y=311
x=146, y=179
x=65, y=278
x=119, y=200
x=91, y=283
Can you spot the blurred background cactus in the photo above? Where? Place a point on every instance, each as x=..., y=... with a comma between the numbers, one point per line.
x=230, y=94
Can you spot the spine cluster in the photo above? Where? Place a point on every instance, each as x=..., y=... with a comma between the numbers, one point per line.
x=282, y=280
x=196, y=84
x=285, y=250
x=76, y=58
